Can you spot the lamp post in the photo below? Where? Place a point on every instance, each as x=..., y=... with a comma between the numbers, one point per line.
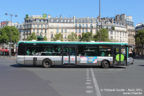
x=100, y=23
x=11, y=15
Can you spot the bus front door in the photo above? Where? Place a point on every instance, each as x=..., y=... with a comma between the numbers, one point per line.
x=120, y=55
x=69, y=55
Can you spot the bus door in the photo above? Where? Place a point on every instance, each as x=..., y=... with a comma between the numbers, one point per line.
x=69, y=55
x=120, y=55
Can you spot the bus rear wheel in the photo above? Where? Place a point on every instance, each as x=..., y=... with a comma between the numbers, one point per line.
x=46, y=63
x=105, y=64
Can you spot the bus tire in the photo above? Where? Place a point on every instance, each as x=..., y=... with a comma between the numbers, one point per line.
x=105, y=64
x=47, y=63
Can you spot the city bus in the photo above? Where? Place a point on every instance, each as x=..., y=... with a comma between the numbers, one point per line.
x=47, y=54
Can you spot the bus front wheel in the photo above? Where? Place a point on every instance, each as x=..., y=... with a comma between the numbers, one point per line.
x=46, y=63
x=105, y=64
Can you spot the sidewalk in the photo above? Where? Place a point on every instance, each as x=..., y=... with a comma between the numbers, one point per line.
x=8, y=57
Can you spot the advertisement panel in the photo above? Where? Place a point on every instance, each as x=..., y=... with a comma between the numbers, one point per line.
x=88, y=59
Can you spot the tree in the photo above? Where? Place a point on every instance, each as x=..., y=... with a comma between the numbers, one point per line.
x=32, y=37
x=113, y=28
x=102, y=35
x=45, y=38
x=58, y=36
x=72, y=37
x=9, y=33
x=86, y=36
x=139, y=37
x=27, y=16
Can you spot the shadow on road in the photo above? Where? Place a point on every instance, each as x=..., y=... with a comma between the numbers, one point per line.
x=65, y=66
x=141, y=65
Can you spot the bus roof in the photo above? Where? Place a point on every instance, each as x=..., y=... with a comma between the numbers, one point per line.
x=67, y=42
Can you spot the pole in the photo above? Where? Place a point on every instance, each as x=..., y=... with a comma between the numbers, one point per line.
x=100, y=18
x=10, y=36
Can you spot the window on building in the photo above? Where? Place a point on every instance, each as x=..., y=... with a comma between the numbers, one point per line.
x=86, y=30
x=57, y=20
x=86, y=25
x=51, y=20
x=76, y=30
x=62, y=30
x=83, y=30
x=80, y=25
x=45, y=31
x=57, y=30
x=37, y=20
x=65, y=30
x=65, y=37
x=79, y=30
x=76, y=25
x=51, y=36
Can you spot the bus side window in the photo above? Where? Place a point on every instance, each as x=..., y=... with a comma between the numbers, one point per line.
x=103, y=53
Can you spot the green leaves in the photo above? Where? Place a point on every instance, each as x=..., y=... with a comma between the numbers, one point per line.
x=27, y=16
x=139, y=37
x=86, y=36
x=58, y=36
x=45, y=38
x=72, y=37
x=102, y=35
x=9, y=33
x=32, y=37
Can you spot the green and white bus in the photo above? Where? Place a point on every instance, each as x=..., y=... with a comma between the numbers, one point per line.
x=46, y=54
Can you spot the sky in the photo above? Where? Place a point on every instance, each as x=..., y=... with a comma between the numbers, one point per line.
x=70, y=8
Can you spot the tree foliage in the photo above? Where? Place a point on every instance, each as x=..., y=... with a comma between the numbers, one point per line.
x=58, y=36
x=9, y=33
x=139, y=37
x=102, y=35
x=72, y=37
x=27, y=16
x=86, y=36
x=32, y=37
x=45, y=38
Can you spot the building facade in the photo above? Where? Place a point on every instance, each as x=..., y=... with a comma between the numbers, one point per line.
x=49, y=26
x=8, y=23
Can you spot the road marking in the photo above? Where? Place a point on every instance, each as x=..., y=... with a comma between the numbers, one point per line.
x=88, y=80
x=88, y=83
x=89, y=91
x=95, y=83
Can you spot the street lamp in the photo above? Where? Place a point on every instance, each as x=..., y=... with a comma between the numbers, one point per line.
x=100, y=23
x=11, y=15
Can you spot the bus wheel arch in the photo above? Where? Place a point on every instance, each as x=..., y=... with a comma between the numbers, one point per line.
x=105, y=63
x=47, y=63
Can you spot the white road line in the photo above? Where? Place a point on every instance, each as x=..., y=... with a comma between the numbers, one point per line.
x=88, y=83
x=88, y=80
x=89, y=91
x=95, y=83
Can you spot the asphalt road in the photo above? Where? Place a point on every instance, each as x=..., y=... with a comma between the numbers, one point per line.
x=18, y=80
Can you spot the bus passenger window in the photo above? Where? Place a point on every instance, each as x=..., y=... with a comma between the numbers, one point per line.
x=102, y=53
